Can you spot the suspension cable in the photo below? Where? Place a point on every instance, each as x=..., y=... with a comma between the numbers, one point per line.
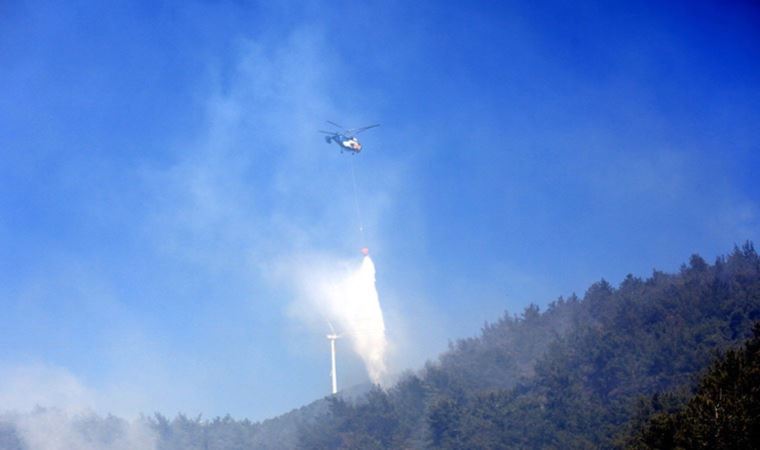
x=356, y=202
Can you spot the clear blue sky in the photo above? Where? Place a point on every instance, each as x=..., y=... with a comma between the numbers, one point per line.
x=162, y=178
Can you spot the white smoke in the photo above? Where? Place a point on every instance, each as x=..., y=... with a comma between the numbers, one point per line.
x=49, y=408
x=345, y=295
x=26, y=386
x=53, y=429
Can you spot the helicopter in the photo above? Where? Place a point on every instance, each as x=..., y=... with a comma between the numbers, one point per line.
x=345, y=138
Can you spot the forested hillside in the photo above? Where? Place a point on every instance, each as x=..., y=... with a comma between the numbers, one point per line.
x=570, y=377
x=722, y=413
x=650, y=363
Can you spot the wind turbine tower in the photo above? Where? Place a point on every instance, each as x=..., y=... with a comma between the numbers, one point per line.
x=333, y=374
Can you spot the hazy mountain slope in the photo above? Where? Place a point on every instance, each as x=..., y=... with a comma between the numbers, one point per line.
x=573, y=376
x=584, y=364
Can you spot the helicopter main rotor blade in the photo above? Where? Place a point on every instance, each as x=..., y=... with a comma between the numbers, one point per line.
x=327, y=132
x=333, y=123
x=359, y=130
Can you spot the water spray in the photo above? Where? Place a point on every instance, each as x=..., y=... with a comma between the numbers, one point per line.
x=351, y=302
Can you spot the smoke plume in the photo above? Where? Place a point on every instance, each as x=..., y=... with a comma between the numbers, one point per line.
x=53, y=429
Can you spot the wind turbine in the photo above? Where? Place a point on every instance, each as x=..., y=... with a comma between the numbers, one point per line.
x=332, y=337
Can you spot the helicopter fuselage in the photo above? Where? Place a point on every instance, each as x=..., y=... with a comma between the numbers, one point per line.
x=349, y=143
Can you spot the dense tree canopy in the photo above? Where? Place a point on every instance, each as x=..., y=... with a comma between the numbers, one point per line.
x=722, y=413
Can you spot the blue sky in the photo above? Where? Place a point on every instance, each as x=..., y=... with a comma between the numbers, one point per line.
x=163, y=183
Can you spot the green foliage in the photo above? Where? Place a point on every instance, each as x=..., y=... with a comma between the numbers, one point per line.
x=372, y=423
x=218, y=434
x=573, y=376
x=723, y=413
x=9, y=439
